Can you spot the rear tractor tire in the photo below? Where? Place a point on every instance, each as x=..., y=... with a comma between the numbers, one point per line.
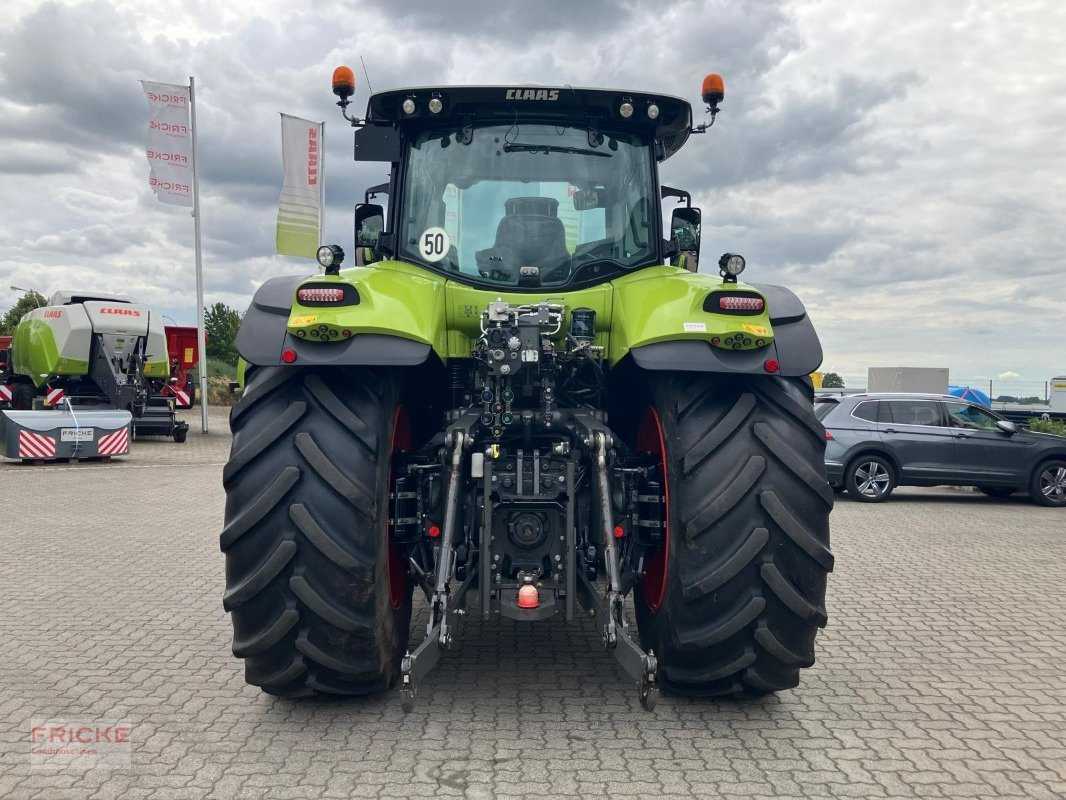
x=732, y=602
x=320, y=602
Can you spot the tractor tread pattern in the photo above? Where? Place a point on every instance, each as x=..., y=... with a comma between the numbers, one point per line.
x=306, y=584
x=344, y=415
x=246, y=518
x=267, y=636
x=358, y=497
x=323, y=542
x=266, y=436
x=721, y=571
x=720, y=504
x=749, y=502
x=257, y=580
x=338, y=617
x=792, y=597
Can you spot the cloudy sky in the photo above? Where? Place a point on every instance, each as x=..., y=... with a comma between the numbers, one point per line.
x=900, y=163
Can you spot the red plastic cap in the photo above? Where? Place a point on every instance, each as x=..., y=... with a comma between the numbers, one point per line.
x=771, y=365
x=433, y=531
x=528, y=597
x=713, y=91
x=288, y=356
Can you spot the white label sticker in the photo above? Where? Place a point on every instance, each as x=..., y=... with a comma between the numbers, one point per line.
x=695, y=327
x=433, y=244
x=76, y=434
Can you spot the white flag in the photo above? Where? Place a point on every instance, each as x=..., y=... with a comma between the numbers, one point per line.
x=300, y=204
x=169, y=142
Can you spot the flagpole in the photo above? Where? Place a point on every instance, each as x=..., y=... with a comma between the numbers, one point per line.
x=201, y=339
x=322, y=185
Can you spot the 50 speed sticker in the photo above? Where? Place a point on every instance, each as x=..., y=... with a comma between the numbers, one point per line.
x=433, y=244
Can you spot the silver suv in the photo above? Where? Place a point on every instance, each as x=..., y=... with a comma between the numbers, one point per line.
x=875, y=442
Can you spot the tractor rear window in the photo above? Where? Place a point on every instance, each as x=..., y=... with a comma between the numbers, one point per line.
x=528, y=204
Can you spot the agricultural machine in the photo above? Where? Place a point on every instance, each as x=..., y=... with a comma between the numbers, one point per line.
x=91, y=351
x=526, y=402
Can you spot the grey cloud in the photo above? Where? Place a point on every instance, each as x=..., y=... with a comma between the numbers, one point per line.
x=76, y=70
x=494, y=20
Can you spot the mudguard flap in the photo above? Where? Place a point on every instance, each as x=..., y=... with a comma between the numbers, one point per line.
x=263, y=336
x=795, y=347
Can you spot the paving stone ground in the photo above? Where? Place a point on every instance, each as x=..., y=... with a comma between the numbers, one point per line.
x=940, y=674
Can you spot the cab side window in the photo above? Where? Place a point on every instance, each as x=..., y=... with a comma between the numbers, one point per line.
x=964, y=415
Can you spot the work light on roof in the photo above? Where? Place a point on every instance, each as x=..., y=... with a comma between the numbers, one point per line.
x=653, y=111
x=408, y=106
x=626, y=109
x=435, y=105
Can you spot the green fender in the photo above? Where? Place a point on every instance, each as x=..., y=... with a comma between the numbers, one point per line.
x=398, y=313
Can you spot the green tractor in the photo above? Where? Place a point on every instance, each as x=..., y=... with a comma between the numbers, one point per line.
x=524, y=401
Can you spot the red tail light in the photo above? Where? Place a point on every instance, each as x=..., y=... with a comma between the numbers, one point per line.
x=320, y=295
x=735, y=302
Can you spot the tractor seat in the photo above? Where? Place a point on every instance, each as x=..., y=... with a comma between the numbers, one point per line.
x=534, y=233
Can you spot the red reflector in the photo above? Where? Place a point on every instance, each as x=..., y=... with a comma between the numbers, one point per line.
x=288, y=356
x=528, y=597
x=734, y=302
x=770, y=365
x=433, y=531
x=619, y=532
x=320, y=294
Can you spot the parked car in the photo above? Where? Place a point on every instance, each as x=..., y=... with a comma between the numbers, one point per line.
x=877, y=441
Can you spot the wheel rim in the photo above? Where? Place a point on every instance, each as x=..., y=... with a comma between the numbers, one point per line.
x=1053, y=484
x=872, y=479
x=398, y=570
x=650, y=439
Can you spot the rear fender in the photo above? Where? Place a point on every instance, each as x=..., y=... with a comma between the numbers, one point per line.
x=664, y=326
x=397, y=318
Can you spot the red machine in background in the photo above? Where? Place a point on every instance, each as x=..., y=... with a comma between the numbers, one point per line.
x=182, y=350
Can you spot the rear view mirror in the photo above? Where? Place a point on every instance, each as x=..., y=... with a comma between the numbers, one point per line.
x=369, y=225
x=1007, y=427
x=588, y=199
x=685, y=236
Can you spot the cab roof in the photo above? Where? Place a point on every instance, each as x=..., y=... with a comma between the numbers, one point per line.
x=464, y=105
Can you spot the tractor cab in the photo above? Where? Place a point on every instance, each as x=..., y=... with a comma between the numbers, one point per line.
x=521, y=187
